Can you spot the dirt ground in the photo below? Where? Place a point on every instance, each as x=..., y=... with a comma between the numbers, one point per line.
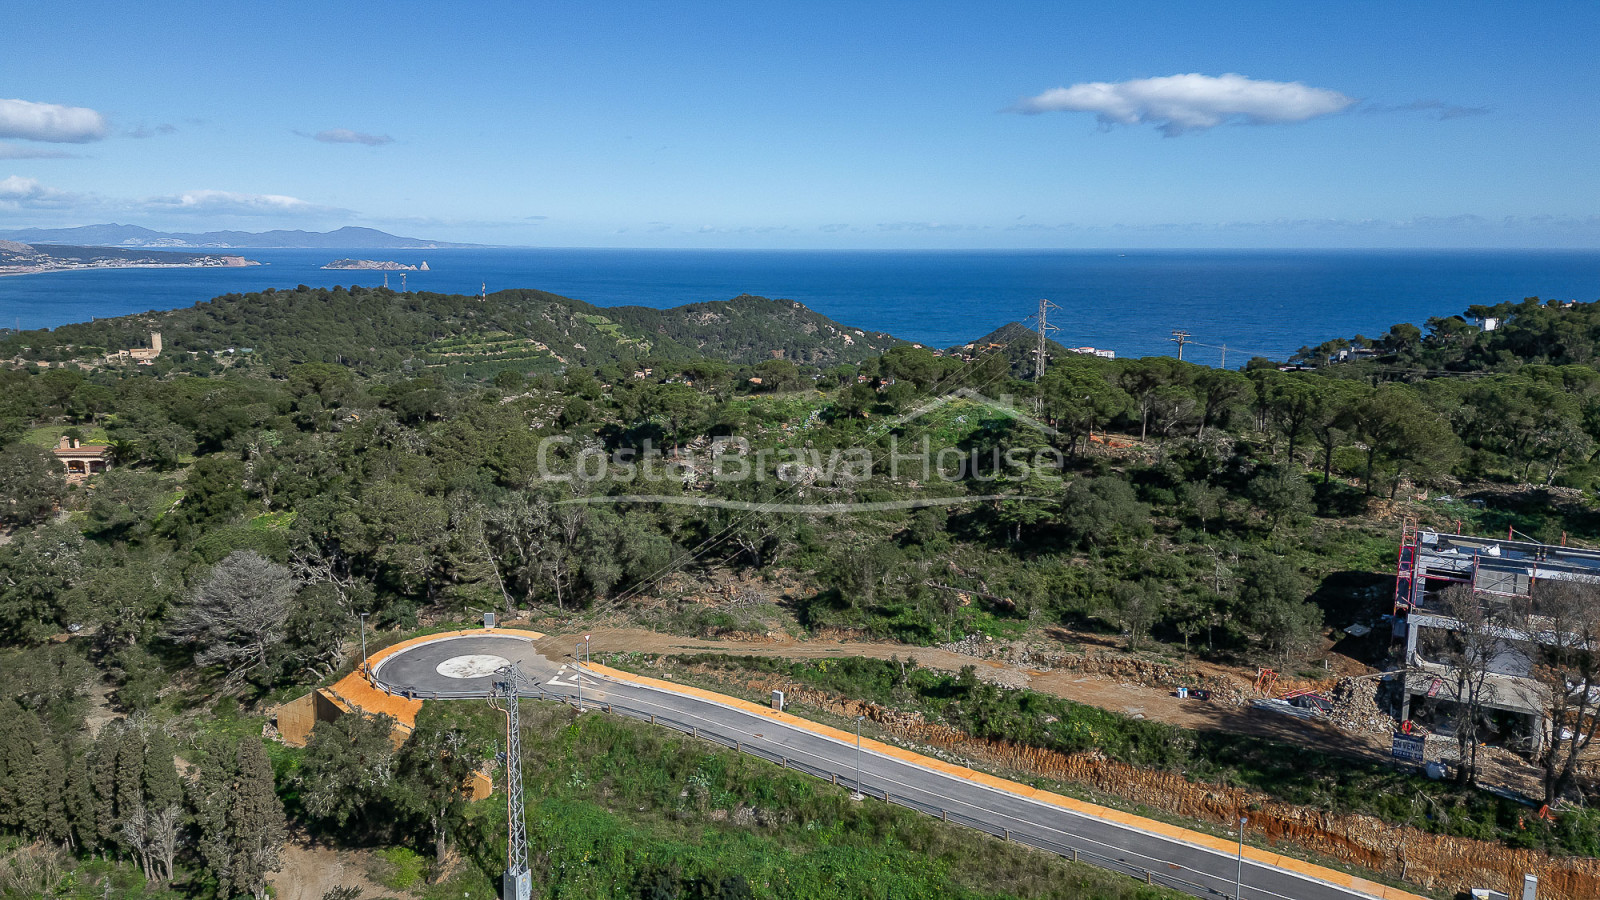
x=1105, y=692
x=308, y=872
x=1431, y=860
x=100, y=711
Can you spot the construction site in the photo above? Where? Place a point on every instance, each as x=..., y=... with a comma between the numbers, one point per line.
x=1397, y=693
x=1504, y=577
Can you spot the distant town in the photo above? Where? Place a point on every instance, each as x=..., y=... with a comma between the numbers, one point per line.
x=28, y=259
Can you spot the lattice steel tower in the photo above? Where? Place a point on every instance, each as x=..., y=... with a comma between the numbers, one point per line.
x=1045, y=330
x=518, y=881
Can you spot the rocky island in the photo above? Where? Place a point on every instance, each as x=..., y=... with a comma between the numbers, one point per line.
x=374, y=265
x=30, y=259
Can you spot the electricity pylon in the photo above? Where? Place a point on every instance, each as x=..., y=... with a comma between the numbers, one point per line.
x=1045, y=329
x=518, y=881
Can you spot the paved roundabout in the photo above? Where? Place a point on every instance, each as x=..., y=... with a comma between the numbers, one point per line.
x=460, y=665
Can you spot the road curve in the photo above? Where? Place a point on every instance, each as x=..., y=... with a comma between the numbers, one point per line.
x=1197, y=864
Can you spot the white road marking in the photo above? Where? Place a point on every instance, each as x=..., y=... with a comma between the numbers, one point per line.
x=936, y=775
x=475, y=665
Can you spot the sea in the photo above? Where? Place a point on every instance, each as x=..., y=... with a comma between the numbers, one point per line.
x=1252, y=302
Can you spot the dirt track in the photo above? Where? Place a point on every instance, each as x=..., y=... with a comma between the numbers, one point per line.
x=1109, y=693
x=308, y=872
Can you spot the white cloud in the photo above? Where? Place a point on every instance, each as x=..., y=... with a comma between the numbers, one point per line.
x=49, y=122
x=1433, y=109
x=743, y=229
x=346, y=136
x=146, y=131
x=16, y=151
x=928, y=226
x=230, y=203
x=17, y=192
x=1179, y=103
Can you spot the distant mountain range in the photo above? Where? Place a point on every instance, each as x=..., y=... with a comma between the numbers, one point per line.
x=135, y=236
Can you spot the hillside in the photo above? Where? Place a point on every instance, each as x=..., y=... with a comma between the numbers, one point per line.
x=747, y=329
x=135, y=236
x=1497, y=338
x=1174, y=526
x=379, y=330
x=1018, y=343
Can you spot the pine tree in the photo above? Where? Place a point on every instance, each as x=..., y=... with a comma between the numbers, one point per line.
x=163, y=799
x=103, y=778
x=162, y=787
x=20, y=737
x=255, y=821
x=79, y=804
x=435, y=763
x=128, y=793
x=210, y=794
x=44, y=813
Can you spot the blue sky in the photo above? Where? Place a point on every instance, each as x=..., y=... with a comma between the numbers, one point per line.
x=784, y=125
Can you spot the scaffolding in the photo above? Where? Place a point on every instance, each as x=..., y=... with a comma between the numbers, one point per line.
x=1406, y=570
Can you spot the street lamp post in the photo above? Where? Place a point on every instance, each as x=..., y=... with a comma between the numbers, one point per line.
x=859, y=792
x=1238, y=874
x=364, y=644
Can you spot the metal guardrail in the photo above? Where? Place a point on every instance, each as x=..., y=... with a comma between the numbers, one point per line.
x=846, y=779
x=1164, y=876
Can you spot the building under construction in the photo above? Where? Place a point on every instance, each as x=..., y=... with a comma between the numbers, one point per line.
x=1504, y=572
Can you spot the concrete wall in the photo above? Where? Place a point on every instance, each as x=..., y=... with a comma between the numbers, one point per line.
x=296, y=719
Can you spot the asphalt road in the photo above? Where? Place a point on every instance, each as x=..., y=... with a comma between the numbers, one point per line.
x=1144, y=855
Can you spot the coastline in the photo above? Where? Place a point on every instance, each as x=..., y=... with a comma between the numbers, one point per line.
x=1266, y=302
x=47, y=270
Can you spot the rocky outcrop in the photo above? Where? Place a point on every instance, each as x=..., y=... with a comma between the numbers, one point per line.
x=370, y=265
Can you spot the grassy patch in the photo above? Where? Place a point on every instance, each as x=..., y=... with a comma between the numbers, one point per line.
x=398, y=868
x=1292, y=774
x=278, y=521
x=46, y=436
x=622, y=809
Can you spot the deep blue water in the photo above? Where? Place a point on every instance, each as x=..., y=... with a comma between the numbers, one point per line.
x=1260, y=302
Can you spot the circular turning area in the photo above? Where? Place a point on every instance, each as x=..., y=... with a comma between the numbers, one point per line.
x=473, y=665
x=459, y=665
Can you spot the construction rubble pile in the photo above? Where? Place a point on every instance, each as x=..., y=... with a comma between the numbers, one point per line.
x=1355, y=707
x=977, y=645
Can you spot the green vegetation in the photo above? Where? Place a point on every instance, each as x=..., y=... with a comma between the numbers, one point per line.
x=1289, y=773
x=378, y=331
x=626, y=810
x=388, y=456
x=400, y=868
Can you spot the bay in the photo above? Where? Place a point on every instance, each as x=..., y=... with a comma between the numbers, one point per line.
x=1255, y=302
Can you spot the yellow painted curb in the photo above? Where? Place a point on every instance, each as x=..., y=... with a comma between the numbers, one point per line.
x=1265, y=857
x=373, y=661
